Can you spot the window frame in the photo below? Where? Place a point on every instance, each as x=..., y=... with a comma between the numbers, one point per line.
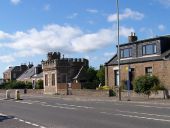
x=53, y=79
x=123, y=51
x=46, y=79
x=148, y=71
x=145, y=50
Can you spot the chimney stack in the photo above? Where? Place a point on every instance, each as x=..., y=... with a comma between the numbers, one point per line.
x=132, y=37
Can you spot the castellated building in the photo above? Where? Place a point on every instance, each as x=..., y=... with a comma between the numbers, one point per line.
x=59, y=71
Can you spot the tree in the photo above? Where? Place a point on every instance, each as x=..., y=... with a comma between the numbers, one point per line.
x=101, y=75
x=91, y=78
x=146, y=84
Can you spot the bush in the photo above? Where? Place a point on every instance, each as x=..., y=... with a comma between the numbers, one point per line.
x=16, y=85
x=146, y=84
x=90, y=85
x=39, y=84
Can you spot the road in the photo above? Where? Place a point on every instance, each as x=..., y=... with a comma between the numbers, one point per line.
x=53, y=112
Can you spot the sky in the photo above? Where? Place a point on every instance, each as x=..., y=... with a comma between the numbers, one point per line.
x=29, y=29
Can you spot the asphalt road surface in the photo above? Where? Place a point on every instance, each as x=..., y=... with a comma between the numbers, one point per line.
x=52, y=112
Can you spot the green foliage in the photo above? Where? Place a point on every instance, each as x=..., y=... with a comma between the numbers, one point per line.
x=39, y=84
x=16, y=85
x=91, y=79
x=91, y=74
x=146, y=84
x=101, y=75
x=28, y=85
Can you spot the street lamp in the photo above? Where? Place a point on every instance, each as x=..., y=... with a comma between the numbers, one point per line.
x=118, y=48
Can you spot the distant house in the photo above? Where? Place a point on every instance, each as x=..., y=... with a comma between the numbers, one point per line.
x=57, y=72
x=140, y=57
x=32, y=74
x=14, y=72
x=1, y=81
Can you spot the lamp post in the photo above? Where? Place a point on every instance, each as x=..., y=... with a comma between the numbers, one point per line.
x=118, y=48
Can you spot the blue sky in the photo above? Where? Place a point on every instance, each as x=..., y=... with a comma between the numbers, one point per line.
x=76, y=28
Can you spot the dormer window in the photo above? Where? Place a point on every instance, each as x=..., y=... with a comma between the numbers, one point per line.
x=126, y=53
x=149, y=49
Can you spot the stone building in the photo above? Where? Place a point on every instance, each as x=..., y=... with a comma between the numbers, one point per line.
x=14, y=72
x=58, y=71
x=139, y=57
x=32, y=74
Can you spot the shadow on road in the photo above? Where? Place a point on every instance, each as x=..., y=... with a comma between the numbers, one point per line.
x=2, y=118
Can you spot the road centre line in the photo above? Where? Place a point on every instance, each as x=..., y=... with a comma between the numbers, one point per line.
x=36, y=101
x=23, y=102
x=57, y=106
x=149, y=114
x=148, y=106
x=137, y=117
x=87, y=107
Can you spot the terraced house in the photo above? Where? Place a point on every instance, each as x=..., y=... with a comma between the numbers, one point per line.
x=139, y=57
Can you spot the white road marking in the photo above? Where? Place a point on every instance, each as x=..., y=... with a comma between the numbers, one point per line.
x=23, y=102
x=57, y=106
x=21, y=120
x=87, y=107
x=26, y=122
x=137, y=117
x=36, y=101
x=148, y=106
x=35, y=125
x=2, y=114
x=149, y=114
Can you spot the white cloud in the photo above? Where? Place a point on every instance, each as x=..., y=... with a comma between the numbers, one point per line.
x=92, y=10
x=148, y=32
x=128, y=13
x=3, y=35
x=7, y=58
x=15, y=2
x=161, y=27
x=72, y=16
x=91, y=22
x=57, y=38
x=47, y=7
x=89, y=42
x=166, y=3
x=125, y=32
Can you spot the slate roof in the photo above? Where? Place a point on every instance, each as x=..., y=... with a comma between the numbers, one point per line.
x=40, y=75
x=145, y=40
x=27, y=74
x=164, y=56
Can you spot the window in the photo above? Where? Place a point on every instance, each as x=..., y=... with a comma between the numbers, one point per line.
x=53, y=79
x=149, y=49
x=46, y=80
x=148, y=71
x=125, y=53
x=116, y=73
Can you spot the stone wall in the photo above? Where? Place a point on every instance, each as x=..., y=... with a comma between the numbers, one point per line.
x=161, y=69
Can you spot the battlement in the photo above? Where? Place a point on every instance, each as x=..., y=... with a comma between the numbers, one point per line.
x=54, y=60
x=53, y=55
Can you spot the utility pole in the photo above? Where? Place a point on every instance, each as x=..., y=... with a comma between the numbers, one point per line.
x=118, y=48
